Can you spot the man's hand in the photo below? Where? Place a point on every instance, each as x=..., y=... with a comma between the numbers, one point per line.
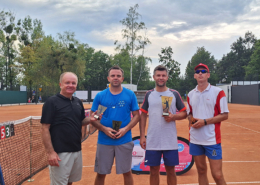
x=109, y=132
x=121, y=132
x=169, y=118
x=92, y=118
x=143, y=142
x=198, y=124
x=53, y=159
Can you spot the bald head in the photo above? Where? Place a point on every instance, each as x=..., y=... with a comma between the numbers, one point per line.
x=63, y=74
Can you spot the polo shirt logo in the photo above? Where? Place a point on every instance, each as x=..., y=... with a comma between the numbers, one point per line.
x=121, y=103
x=214, y=153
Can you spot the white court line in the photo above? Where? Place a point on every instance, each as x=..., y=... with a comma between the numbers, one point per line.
x=241, y=161
x=252, y=182
x=243, y=127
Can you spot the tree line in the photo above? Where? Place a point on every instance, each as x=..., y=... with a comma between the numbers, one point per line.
x=31, y=58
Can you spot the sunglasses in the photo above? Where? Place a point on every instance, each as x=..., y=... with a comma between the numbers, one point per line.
x=202, y=71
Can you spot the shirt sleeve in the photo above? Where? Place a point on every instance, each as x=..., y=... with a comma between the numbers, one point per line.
x=134, y=104
x=145, y=105
x=82, y=111
x=222, y=102
x=179, y=103
x=189, y=108
x=48, y=112
x=95, y=103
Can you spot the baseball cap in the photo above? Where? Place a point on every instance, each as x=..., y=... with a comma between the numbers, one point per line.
x=201, y=65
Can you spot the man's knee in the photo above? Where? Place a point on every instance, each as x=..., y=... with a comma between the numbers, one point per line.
x=170, y=170
x=127, y=174
x=202, y=169
x=101, y=176
x=154, y=170
x=218, y=176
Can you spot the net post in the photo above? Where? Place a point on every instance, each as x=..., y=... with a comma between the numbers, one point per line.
x=30, y=178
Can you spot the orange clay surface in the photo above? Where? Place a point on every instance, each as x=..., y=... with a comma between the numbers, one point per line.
x=240, y=142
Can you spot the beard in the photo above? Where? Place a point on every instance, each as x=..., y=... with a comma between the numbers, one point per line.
x=117, y=84
x=161, y=85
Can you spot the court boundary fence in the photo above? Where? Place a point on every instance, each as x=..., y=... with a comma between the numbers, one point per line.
x=22, y=153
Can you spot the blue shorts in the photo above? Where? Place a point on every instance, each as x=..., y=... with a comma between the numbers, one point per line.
x=154, y=157
x=211, y=151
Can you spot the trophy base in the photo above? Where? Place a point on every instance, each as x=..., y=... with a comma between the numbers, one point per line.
x=96, y=116
x=165, y=114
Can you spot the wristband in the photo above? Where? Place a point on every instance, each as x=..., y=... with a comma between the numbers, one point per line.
x=205, y=121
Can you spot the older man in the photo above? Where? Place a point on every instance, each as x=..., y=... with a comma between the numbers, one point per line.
x=62, y=118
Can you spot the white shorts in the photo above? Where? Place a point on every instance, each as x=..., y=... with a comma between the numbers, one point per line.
x=70, y=169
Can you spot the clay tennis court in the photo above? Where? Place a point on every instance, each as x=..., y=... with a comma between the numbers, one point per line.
x=240, y=142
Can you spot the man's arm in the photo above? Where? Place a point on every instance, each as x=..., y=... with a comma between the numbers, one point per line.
x=216, y=119
x=52, y=156
x=88, y=120
x=130, y=125
x=107, y=130
x=173, y=117
x=142, y=125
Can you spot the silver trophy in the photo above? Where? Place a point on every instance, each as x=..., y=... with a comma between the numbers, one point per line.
x=101, y=110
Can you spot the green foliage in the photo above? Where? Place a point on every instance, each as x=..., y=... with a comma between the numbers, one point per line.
x=201, y=56
x=232, y=66
x=8, y=50
x=131, y=33
x=97, y=65
x=172, y=66
x=253, y=67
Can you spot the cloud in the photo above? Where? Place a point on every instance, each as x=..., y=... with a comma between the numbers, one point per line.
x=183, y=25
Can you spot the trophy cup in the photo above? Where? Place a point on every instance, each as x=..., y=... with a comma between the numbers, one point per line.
x=116, y=125
x=101, y=110
x=193, y=120
x=166, y=103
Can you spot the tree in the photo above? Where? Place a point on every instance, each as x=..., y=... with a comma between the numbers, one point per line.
x=8, y=36
x=232, y=66
x=131, y=33
x=172, y=66
x=143, y=61
x=97, y=65
x=30, y=35
x=205, y=57
x=55, y=57
x=253, y=67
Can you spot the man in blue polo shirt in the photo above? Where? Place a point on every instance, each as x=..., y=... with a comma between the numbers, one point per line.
x=120, y=102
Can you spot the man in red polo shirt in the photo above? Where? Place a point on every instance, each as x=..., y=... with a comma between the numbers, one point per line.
x=208, y=105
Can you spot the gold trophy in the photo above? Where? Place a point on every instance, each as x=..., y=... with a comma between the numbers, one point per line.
x=101, y=110
x=166, y=104
x=116, y=125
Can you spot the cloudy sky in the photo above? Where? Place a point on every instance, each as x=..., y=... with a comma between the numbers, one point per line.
x=182, y=24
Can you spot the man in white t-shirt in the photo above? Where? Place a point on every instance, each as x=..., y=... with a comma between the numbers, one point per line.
x=162, y=133
x=207, y=106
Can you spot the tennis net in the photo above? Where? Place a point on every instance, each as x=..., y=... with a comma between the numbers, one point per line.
x=22, y=153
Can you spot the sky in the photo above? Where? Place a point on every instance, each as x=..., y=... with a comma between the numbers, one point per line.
x=184, y=25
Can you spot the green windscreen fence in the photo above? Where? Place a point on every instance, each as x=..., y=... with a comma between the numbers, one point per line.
x=9, y=97
x=259, y=97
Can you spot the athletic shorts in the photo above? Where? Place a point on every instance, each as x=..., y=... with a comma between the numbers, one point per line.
x=153, y=157
x=211, y=151
x=105, y=158
x=70, y=169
